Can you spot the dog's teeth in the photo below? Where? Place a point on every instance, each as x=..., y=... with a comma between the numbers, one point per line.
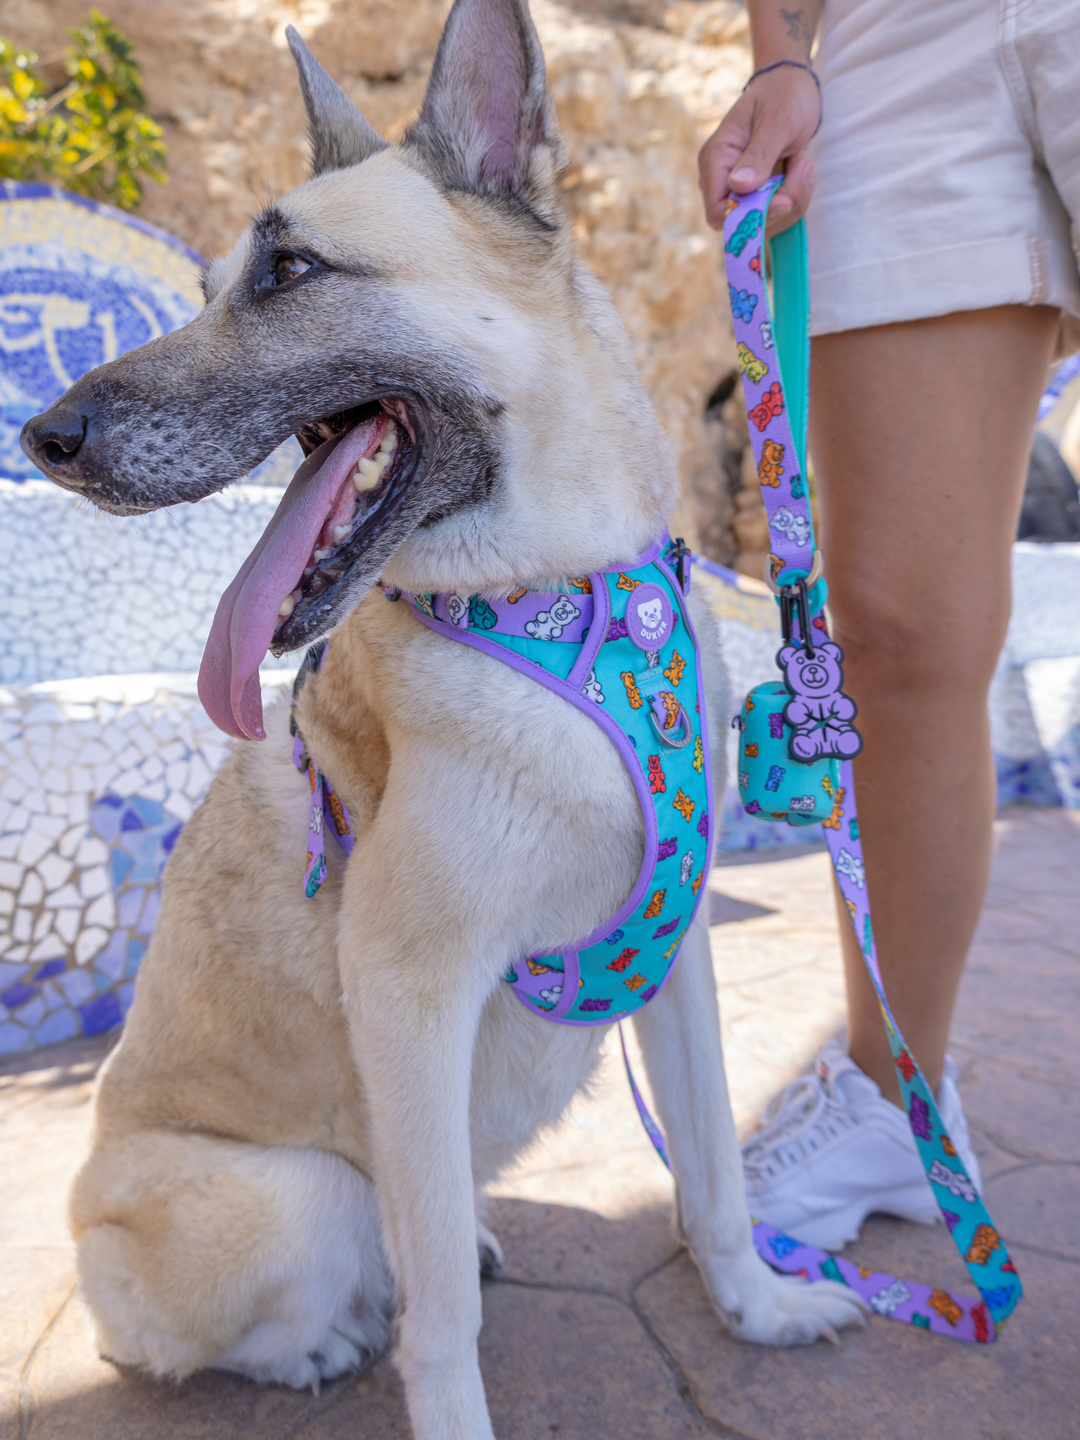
x=320, y=554
x=388, y=444
x=287, y=606
x=367, y=475
x=340, y=532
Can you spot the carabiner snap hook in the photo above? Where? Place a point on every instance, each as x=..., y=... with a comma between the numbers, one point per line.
x=792, y=596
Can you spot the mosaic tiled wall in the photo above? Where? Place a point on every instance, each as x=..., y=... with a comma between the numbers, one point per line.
x=1035, y=697
x=80, y=283
x=103, y=595
x=97, y=777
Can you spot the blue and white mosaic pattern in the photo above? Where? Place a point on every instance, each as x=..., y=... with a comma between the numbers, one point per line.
x=1035, y=698
x=97, y=777
x=80, y=284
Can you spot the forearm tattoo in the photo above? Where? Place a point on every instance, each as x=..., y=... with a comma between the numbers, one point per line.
x=798, y=28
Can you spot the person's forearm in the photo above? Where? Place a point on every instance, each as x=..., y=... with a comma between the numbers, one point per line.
x=783, y=29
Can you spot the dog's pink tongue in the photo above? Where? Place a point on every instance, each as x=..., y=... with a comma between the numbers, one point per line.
x=248, y=611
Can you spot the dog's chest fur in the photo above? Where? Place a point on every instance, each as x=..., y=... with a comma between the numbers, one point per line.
x=509, y=774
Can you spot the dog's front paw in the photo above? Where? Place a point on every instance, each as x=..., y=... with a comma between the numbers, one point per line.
x=489, y=1252
x=765, y=1308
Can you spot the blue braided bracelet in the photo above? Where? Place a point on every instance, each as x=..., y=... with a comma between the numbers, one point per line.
x=798, y=65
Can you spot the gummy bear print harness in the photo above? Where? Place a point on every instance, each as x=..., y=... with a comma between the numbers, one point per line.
x=620, y=646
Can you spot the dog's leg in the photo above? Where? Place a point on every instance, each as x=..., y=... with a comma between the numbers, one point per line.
x=194, y=1250
x=679, y=1033
x=413, y=1017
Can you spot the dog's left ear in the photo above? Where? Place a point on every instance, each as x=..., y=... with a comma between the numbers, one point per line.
x=340, y=136
x=488, y=123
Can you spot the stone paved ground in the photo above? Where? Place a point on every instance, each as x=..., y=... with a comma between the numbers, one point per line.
x=599, y=1329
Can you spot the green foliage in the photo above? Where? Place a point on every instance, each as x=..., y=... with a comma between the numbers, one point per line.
x=90, y=135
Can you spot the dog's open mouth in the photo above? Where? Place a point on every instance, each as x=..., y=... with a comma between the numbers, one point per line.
x=359, y=465
x=370, y=447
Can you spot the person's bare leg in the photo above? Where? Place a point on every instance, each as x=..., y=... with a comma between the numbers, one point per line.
x=920, y=435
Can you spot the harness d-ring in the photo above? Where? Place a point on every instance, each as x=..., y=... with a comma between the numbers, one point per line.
x=816, y=568
x=667, y=736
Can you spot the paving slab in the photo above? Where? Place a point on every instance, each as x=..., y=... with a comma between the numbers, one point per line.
x=884, y=1382
x=599, y=1326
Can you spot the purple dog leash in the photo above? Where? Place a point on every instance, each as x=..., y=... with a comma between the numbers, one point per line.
x=779, y=446
x=793, y=559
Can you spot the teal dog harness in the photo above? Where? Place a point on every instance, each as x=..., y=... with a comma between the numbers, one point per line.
x=620, y=646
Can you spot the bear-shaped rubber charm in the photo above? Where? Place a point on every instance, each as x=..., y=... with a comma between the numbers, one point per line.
x=819, y=715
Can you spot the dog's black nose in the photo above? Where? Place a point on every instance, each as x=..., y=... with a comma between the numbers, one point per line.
x=54, y=439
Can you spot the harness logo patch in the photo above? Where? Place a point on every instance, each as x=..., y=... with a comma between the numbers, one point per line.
x=649, y=618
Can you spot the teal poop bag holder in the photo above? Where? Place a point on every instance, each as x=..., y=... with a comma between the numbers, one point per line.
x=813, y=743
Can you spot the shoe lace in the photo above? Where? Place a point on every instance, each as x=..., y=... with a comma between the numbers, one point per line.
x=794, y=1111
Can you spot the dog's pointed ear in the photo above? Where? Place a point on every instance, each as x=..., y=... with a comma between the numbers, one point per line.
x=488, y=123
x=340, y=136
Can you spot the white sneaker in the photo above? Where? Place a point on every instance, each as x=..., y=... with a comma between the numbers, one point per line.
x=831, y=1150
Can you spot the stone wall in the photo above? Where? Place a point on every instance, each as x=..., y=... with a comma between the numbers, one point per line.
x=638, y=85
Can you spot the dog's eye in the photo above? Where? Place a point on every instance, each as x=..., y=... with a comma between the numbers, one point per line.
x=285, y=268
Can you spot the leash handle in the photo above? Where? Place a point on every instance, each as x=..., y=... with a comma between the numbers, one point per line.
x=778, y=437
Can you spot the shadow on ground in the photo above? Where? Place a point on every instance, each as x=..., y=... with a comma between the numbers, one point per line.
x=598, y=1327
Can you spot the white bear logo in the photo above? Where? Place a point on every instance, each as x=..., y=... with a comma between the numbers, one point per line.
x=548, y=625
x=886, y=1301
x=851, y=866
x=591, y=687
x=955, y=1181
x=793, y=527
x=650, y=613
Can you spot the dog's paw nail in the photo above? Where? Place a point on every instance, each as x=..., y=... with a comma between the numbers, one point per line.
x=490, y=1264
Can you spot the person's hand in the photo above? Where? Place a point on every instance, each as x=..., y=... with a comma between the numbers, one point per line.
x=765, y=132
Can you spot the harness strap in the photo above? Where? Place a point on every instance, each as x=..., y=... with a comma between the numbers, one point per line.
x=327, y=810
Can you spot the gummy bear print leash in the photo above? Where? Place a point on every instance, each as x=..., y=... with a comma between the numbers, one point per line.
x=778, y=440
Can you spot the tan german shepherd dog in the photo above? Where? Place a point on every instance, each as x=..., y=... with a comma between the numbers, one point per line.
x=308, y=1093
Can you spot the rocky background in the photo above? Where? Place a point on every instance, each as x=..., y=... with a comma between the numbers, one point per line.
x=638, y=85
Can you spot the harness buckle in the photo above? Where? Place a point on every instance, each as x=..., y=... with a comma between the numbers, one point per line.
x=679, y=555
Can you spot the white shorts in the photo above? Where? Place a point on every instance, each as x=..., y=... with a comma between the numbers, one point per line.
x=948, y=159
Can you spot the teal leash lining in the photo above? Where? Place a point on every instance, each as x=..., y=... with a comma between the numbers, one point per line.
x=778, y=415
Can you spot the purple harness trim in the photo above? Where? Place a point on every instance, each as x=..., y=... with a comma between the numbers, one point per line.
x=327, y=810
x=570, y=689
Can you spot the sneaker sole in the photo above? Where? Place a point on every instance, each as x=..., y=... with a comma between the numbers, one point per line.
x=839, y=1227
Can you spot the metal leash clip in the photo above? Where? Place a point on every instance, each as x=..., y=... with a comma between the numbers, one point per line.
x=794, y=598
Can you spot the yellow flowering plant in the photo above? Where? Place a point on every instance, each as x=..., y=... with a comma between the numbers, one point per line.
x=89, y=135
